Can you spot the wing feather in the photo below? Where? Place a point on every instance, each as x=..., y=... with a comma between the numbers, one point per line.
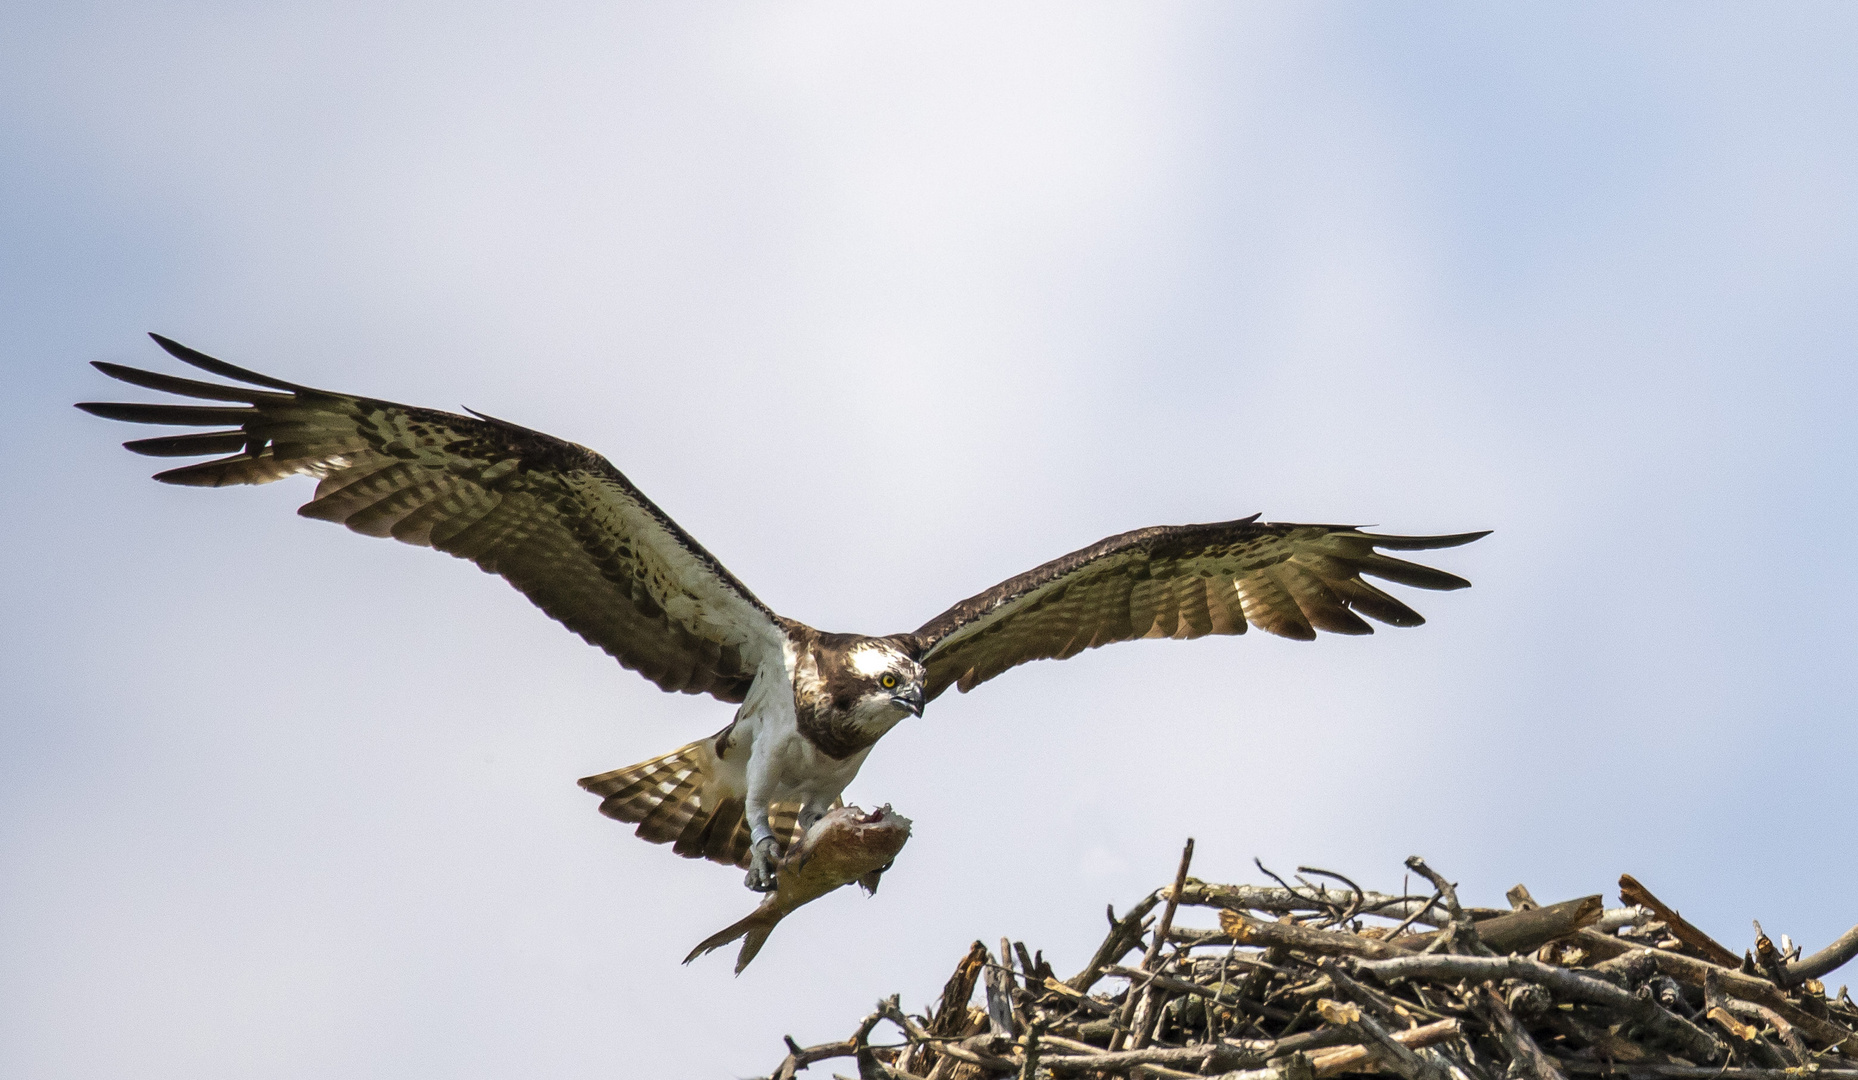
x=1196, y=615
x=556, y=520
x=1268, y=605
x=203, y=442
x=247, y=468
x=1180, y=581
x=1222, y=602
x=193, y=388
x=176, y=415
x=1318, y=602
x=1410, y=573
x=1375, y=604
x=1152, y=604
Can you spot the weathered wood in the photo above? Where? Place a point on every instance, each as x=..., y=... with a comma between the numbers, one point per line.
x=1828, y=959
x=1140, y=1027
x=1602, y=946
x=1288, y=1067
x=1178, y=986
x=1770, y=960
x=1525, y=931
x=1692, y=1040
x=1283, y=901
x=1516, y=932
x=1705, y=946
x=1125, y=935
x=999, y=983
x=951, y=1017
x=1112, y=1060
x=1249, y=931
x=1694, y=972
x=1600, y=1039
x=1692, y=1072
x=1516, y=1039
x=1029, y=1051
x=1378, y=1042
x=1337, y=991
x=977, y=1050
x=1351, y=1058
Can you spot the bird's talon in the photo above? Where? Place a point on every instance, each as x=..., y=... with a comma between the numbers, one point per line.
x=761, y=870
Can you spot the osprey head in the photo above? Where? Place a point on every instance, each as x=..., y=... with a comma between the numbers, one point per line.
x=850, y=689
x=880, y=682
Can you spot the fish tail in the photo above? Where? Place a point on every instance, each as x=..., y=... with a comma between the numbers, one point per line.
x=754, y=930
x=751, y=944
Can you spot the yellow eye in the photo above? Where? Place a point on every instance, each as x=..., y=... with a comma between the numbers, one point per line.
x=888, y=682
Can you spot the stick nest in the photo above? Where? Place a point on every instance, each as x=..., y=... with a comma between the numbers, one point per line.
x=1316, y=978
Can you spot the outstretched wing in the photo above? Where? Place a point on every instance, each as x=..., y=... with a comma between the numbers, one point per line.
x=1180, y=581
x=556, y=520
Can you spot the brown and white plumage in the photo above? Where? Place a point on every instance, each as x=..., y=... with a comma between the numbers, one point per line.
x=565, y=527
x=556, y=520
x=1180, y=581
x=685, y=799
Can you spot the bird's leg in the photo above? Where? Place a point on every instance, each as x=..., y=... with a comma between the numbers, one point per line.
x=764, y=852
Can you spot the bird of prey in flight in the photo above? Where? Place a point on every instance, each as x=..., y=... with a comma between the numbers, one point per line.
x=560, y=523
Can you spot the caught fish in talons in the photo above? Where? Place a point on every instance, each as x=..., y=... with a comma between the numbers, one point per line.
x=846, y=845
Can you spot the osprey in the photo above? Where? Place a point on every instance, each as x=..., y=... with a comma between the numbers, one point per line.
x=560, y=523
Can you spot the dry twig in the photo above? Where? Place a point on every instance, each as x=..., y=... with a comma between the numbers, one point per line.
x=1311, y=981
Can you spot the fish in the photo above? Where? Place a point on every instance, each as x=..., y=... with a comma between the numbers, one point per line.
x=844, y=846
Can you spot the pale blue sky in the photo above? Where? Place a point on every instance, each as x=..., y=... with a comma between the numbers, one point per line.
x=885, y=303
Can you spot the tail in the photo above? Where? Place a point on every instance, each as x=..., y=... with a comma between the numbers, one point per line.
x=681, y=798
x=677, y=799
x=753, y=931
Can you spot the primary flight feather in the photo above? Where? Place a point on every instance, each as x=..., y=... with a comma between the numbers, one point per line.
x=564, y=526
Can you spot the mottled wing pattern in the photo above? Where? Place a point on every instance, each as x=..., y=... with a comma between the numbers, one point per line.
x=555, y=519
x=681, y=799
x=1180, y=581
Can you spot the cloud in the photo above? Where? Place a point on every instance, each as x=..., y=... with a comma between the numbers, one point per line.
x=886, y=304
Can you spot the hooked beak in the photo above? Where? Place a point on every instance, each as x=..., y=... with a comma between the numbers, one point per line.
x=911, y=698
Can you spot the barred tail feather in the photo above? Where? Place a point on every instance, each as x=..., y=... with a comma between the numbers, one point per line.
x=672, y=799
x=678, y=799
